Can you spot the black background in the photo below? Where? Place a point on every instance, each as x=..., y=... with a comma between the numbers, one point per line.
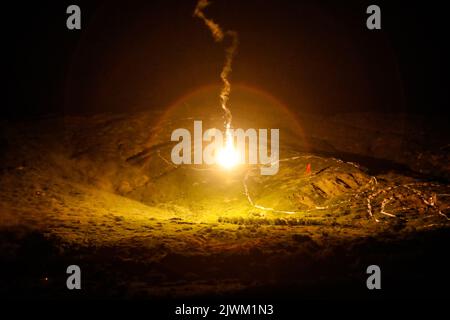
x=316, y=56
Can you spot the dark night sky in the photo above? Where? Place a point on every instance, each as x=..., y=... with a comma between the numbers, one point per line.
x=316, y=56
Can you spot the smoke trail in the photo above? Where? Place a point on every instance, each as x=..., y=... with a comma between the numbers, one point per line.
x=216, y=31
x=230, y=51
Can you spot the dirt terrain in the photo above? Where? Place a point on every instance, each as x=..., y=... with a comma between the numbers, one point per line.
x=99, y=191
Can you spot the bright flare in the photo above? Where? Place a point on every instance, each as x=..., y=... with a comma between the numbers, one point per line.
x=228, y=156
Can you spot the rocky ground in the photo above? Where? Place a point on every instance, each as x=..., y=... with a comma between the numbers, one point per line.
x=99, y=191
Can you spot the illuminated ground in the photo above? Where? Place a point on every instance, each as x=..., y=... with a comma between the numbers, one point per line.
x=101, y=194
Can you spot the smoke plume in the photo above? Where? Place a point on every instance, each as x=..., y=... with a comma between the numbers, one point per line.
x=219, y=35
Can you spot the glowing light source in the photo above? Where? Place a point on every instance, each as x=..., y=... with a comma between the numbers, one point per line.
x=228, y=156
